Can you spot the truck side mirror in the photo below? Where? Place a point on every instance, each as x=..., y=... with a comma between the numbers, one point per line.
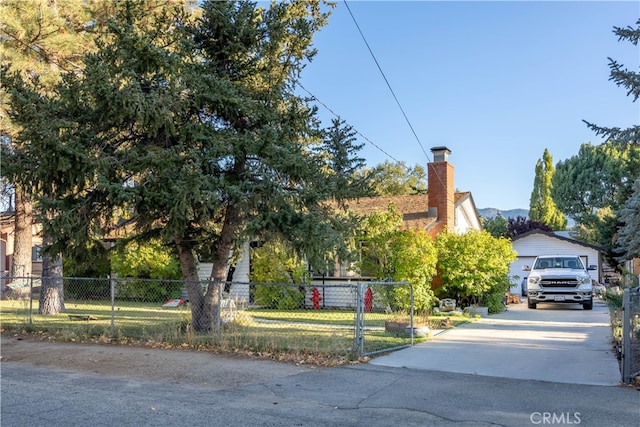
x=526, y=268
x=592, y=267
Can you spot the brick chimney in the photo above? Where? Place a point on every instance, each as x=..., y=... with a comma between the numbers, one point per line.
x=441, y=190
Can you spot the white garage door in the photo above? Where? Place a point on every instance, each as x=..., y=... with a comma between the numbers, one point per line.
x=516, y=270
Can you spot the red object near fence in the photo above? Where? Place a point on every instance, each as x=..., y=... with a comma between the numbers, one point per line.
x=368, y=300
x=316, y=298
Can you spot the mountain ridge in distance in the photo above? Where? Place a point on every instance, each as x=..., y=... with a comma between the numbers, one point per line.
x=507, y=213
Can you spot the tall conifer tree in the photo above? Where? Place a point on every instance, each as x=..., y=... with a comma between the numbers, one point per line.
x=541, y=207
x=191, y=123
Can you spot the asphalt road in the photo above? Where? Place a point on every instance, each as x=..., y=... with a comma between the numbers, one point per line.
x=264, y=393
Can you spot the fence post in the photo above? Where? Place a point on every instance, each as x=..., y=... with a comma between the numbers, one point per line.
x=411, y=312
x=31, y=299
x=112, y=287
x=218, y=313
x=626, y=336
x=359, y=329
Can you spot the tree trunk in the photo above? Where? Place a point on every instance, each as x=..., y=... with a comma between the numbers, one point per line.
x=222, y=260
x=201, y=315
x=51, y=291
x=22, y=245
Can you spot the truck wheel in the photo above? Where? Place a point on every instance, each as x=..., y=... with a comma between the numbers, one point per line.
x=588, y=305
x=531, y=305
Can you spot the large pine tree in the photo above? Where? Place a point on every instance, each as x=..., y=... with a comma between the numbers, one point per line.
x=622, y=225
x=189, y=125
x=40, y=40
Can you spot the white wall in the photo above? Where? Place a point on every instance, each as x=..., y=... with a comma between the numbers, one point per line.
x=539, y=244
x=516, y=270
x=466, y=218
x=239, y=291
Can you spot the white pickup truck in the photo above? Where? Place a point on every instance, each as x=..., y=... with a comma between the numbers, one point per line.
x=559, y=279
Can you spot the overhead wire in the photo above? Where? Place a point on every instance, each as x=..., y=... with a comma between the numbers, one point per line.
x=354, y=129
x=386, y=80
x=437, y=175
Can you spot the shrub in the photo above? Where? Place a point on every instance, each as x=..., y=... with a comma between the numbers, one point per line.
x=92, y=289
x=279, y=297
x=148, y=290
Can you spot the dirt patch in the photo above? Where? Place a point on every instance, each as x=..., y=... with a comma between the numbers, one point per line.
x=180, y=366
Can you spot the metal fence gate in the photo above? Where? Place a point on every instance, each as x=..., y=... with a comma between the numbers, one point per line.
x=631, y=335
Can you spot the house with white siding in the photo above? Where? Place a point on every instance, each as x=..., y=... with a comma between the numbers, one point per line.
x=441, y=208
x=533, y=243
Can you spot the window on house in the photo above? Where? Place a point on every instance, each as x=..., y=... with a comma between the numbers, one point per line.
x=36, y=253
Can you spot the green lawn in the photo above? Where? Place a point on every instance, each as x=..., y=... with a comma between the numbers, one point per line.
x=312, y=332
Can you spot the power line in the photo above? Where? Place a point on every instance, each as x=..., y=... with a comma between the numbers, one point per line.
x=391, y=89
x=386, y=81
x=338, y=116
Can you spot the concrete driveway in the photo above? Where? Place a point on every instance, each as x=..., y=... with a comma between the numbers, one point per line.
x=557, y=343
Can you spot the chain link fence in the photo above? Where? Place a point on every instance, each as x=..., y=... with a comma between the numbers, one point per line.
x=631, y=336
x=333, y=319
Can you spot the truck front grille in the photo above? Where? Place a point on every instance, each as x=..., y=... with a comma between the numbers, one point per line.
x=559, y=283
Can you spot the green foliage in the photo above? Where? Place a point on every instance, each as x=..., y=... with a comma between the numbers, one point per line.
x=598, y=176
x=339, y=155
x=41, y=40
x=617, y=172
x=628, y=79
x=494, y=299
x=497, y=226
x=146, y=261
x=47, y=39
x=394, y=179
x=279, y=297
x=399, y=255
x=592, y=187
x=150, y=260
x=542, y=207
x=628, y=241
x=375, y=233
x=193, y=127
x=474, y=266
x=189, y=121
x=94, y=263
x=276, y=262
x=614, y=299
x=145, y=290
x=84, y=290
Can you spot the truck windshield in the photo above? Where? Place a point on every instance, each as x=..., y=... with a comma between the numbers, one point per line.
x=558, y=262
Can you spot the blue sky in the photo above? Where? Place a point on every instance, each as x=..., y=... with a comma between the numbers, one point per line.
x=495, y=82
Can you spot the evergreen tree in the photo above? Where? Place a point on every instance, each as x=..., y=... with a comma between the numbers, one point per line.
x=190, y=124
x=542, y=207
x=41, y=40
x=628, y=79
x=629, y=236
x=592, y=186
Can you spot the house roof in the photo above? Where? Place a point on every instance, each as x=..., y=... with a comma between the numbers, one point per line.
x=559, y=237
x=412, y=207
